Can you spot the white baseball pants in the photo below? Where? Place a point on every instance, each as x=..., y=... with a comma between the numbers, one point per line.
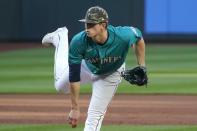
x=104, y=86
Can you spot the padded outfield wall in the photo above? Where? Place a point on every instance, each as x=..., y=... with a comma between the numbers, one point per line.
x=160, y=20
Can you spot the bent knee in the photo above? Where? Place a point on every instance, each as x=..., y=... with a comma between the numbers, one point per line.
x=62, y=87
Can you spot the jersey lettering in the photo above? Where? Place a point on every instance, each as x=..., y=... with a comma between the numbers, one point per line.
x=104, y=60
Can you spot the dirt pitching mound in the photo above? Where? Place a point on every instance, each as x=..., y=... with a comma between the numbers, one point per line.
x=124, y=109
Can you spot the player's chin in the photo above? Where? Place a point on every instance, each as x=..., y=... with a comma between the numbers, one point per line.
x=89, y=34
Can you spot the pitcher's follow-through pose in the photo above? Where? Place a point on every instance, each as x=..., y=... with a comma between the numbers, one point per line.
x=96, y=54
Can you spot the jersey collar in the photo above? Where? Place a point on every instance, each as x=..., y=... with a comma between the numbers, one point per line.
x=110, y=38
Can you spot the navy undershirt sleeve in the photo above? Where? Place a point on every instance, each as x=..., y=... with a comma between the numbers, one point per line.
x=74, y=72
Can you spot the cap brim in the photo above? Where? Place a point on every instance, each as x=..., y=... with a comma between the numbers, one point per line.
x=82, y=20
x=88, y=21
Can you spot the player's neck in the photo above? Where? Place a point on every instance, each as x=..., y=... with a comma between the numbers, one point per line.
x=101, y=38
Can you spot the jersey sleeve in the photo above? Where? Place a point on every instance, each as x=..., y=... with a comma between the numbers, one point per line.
x=129, y=34
x=136, y=35
x=75, y=51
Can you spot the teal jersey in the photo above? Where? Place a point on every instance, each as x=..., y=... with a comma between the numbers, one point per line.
x=106, y=58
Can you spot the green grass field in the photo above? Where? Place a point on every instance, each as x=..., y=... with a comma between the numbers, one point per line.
x=104, y=128
x=171, y=70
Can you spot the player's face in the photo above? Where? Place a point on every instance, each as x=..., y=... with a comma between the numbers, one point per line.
x=93, y=29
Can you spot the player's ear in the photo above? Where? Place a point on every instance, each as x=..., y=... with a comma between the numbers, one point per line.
x=104, y=25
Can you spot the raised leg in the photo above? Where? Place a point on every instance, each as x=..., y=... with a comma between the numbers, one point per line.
x=59, y=39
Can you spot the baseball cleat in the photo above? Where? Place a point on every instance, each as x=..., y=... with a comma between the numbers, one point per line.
x=51, y=38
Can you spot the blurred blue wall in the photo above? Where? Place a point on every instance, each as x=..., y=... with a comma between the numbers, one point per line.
x=171, y=17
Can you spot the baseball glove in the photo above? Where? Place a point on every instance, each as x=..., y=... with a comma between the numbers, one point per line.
x=136, y=76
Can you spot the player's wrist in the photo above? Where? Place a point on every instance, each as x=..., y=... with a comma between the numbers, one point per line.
x=142, y=65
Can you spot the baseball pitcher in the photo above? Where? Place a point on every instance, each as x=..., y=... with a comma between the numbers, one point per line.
x=96, y=54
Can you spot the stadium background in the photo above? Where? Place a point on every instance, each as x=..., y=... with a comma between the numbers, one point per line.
x=160, y=20
x=27, y=94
